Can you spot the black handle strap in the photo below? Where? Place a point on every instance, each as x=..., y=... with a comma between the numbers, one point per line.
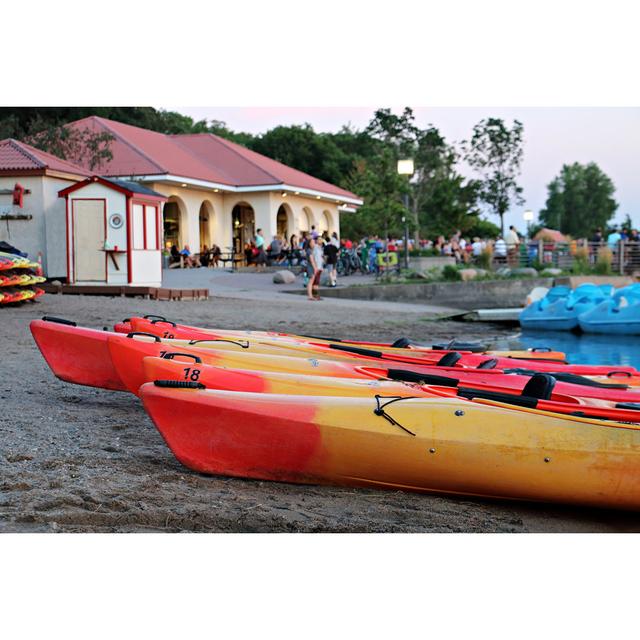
x=173, y=324
x=143, y=333
x=540, y=349
x=370, y=353
x=70, y=323
x=421, y=378
x=151, y=316
x=244, y=344
x=612, y=374
x=171, y=355
x=178, y=384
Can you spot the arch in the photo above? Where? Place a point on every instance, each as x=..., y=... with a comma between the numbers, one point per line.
x=205, y=216
x=243, y=222
x=284, y=221
x=174, y=214
x=324, y=223
x=306, y=219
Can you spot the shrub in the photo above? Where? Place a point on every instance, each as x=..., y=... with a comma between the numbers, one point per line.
x=484, y=259
x=449, y=272
x=581, y=261
x=603, y=263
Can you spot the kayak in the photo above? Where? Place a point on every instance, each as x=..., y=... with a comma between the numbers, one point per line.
x=76, y=354
x=163, y=328
x=114, y=361
x=539, y=391
x=443, y=445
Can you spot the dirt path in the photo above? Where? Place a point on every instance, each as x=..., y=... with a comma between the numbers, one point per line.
x=79, y=459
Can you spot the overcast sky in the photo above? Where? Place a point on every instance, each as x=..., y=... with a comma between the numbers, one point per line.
x=609, y=136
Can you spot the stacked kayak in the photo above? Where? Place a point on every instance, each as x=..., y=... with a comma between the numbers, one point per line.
x=618, y=315
x=561, y=308
x=18, y=277
x=396, y=415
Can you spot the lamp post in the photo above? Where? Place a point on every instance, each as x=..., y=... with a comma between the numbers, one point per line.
x=528, y=218
x=406, y=168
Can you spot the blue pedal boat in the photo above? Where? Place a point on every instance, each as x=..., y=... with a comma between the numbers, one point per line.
x=619, y=315
x=560, y=308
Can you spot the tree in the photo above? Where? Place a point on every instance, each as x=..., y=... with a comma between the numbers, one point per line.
x=496, y=152
x=379, y=183
x=580, y=199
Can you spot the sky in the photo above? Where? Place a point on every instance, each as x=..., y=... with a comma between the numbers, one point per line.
x=608, y=136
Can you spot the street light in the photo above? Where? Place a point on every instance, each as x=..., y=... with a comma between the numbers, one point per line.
x=528, y=218
x=406, y=168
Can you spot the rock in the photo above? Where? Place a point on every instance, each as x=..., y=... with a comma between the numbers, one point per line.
x=504, y=272
x=284, y=277
x=56, y=283
x=468, y=274
x=524, y=271
x=481, y=273
x=551, y=271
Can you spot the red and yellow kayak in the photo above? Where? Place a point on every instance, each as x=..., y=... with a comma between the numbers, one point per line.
x=443, y=445
x=163, y=328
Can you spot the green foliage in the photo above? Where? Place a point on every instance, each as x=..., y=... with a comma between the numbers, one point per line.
x=450, y=273
x=484, y=259
x=496, y=152
x=579, y=200
x=581, y=264
x=603, y=266
x=483, y=229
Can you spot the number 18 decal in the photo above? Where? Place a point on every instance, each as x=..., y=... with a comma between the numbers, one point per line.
x=191, y=374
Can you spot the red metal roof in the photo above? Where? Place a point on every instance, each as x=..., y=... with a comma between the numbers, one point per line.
x=19, y=156
x=138, y=151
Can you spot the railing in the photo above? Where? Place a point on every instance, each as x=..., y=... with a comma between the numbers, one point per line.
x=623, y=256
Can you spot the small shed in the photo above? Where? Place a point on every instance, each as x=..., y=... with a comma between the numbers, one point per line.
x=114, y=233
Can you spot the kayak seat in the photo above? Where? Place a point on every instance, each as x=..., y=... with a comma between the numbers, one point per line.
x=540, y=386
x=572, y=378
x=492, y=363
x=401, y=343
x=634, y=406
x=449, y=359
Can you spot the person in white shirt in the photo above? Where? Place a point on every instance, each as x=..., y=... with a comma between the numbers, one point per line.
x=500, y=248
x=512, y=240
x=315, y=266
x=477, y=247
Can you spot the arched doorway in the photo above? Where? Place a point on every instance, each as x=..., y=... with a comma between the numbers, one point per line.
x=324, y=223
x=305, y=219
x=174, y=220
x=284, y=221
x=243, y=221
x=206, y=221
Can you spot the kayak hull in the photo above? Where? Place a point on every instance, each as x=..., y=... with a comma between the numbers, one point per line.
x=76, y=354
x=433, y=445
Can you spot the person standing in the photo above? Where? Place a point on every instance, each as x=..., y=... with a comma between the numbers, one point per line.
x=261, y=256
x=331, y=251
x=512, y=240
x=314, y=268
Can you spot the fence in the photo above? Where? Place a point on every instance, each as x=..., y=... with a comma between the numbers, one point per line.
x=623, y=256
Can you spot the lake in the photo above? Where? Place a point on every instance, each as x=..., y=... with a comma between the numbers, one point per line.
x=580, y=348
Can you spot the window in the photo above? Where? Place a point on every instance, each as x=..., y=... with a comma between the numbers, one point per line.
x=152, y=230
x=138, y=226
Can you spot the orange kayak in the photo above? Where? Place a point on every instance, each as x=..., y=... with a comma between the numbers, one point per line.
x=443, y=445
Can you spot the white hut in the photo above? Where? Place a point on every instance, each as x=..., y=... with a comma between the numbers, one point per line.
x=114, y=233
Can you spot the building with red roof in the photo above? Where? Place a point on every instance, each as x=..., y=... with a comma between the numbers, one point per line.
x=38, y=226
x=219, y=192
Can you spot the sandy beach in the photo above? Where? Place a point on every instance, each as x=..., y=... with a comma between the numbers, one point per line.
x=78, y=459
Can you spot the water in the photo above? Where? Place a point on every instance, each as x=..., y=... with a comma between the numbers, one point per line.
x=580, y=349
